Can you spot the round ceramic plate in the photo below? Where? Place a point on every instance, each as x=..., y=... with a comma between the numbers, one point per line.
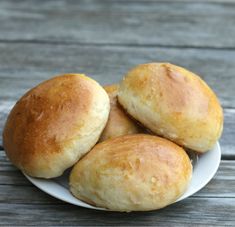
x=204, y=168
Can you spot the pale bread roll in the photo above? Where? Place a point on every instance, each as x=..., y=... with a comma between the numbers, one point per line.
x=54, y=124
x=132, y=173
x=174, y=103
x=119, y=123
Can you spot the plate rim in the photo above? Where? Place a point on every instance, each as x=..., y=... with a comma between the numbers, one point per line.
x=211, y=175
x=40, y=183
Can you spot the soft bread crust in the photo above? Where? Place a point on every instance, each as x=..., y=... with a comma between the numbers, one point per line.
x=132, y=173
x=54, y=124
x=174, y=103
x=119, y=123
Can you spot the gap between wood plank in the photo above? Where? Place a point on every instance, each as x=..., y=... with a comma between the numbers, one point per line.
x=145, y=45
x=178, y=1
x=228, y=157
x=223, y=156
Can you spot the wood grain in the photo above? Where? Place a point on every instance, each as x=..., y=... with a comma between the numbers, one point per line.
x=222, y=185
x=24, y=65
x=227, y=141
x=170, y=23
x=103, y=39
x=21, y=201
x=188, y=212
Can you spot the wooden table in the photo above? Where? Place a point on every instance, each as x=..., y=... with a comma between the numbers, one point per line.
x=39, y=39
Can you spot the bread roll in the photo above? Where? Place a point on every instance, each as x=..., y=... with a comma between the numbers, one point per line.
x=174, y=103
x=119, y=123
x=53, y=125
x=132, y=173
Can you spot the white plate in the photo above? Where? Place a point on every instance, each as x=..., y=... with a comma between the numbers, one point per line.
x=204, y=168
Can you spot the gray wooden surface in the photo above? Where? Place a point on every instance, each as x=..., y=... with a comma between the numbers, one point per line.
x=104, y=39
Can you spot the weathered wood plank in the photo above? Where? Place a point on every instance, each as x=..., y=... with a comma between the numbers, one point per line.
x=24, y=65
x=118, y=34
x=227, y=141
x=27, y=194
x=171, y=23
x=20, y=201
x=222, y=185
x=193, y=211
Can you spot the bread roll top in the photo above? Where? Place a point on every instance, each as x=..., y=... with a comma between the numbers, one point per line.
x=119, y=123
x=132, y=173
x=174, y=103
x=54, y=124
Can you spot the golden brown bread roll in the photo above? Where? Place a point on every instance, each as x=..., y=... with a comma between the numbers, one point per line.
x=119, y=123
x=132, y=173
x=174, y=103
x=54, y=124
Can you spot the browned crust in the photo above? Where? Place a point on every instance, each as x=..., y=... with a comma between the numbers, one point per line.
x=155, y=163
x=180, y=98
x=45, y=119
x=119, y=122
